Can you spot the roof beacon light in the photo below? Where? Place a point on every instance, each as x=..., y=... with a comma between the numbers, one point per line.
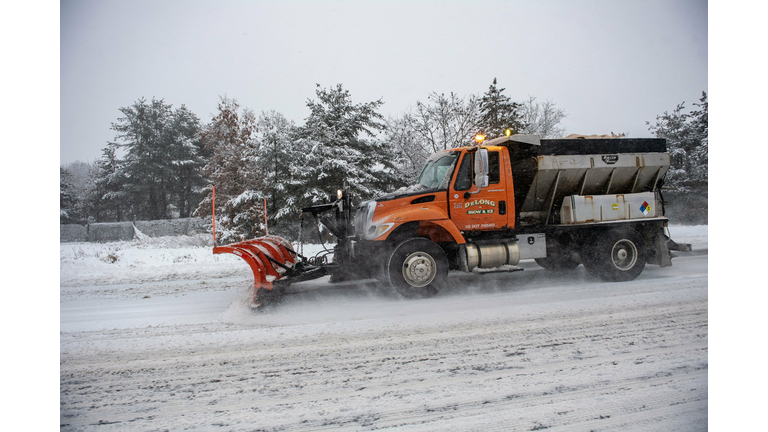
x=479, y=138
x=508, y=132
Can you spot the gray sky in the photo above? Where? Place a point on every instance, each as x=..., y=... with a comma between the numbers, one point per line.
x=611, y=65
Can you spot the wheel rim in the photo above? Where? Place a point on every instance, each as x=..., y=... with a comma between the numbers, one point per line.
x=419, y=269
x=624, y=255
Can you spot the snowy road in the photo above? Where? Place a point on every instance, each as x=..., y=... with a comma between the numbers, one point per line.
x=523, y=351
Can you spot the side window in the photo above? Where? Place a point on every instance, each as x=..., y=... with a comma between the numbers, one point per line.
x=493, y=167
x=464, y=177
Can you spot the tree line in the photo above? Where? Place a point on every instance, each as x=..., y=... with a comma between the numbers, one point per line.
x=164, y=162
x=686, y=184
x=151, y=171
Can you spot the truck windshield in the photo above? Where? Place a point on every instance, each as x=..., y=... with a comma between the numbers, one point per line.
x=437, y=172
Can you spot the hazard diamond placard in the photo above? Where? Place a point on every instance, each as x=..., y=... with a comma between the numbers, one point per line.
x=645, y=208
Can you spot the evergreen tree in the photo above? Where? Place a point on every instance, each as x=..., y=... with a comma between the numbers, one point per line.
x=335, y=151
x=687, y=143
x=186, y=161
x=687, y=180
x=700, y=152
x=162, y=159
x=233, y=170
x=276, y=154
x=143, y=133
x=109, y=201
x=498, y=113
x=66, y=196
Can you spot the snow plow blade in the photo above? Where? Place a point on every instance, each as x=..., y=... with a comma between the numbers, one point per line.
x=270, y=258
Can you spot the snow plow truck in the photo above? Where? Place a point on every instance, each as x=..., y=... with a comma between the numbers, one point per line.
x=565, y=202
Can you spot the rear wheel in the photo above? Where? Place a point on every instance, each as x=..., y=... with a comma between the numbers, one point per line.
x=618, y=255
x=417, y=268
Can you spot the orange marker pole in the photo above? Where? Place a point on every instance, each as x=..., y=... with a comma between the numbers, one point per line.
x=266, y=227
x=214, y=216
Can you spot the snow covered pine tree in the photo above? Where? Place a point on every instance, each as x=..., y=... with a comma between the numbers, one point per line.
x=335, y=151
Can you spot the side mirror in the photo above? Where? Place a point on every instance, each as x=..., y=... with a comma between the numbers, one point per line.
x=481, y=168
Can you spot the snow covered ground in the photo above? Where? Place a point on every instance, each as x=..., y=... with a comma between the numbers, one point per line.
x=156, y=334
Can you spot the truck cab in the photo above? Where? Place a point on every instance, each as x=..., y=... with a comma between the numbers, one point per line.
x=447, y=201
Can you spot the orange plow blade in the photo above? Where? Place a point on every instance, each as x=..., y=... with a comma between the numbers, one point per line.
x=269, y=257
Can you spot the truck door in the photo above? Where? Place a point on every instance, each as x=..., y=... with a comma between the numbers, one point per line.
x=486, y=210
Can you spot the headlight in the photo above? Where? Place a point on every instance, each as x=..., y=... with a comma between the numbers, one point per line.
x=376, y=231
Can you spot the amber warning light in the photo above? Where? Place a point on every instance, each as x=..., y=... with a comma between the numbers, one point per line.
x=479, y=138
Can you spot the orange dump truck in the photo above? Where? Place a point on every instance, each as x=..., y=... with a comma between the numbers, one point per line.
x=561, y=202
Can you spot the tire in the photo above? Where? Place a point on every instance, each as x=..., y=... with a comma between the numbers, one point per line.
x=417, y=268
x=558, y=257
x=618, y=255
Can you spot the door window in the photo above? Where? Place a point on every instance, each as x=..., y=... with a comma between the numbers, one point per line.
x=493, y=168
x=464, y=177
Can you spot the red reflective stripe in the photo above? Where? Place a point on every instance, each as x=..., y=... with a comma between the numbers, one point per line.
x=263, y=255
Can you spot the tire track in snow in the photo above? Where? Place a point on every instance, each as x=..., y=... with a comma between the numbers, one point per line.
x=565, y=347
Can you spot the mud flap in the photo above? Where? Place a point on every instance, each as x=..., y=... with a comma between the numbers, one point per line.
x=662, y=256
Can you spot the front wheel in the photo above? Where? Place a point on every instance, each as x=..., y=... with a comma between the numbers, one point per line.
x=618, y=255
x=417, y=268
